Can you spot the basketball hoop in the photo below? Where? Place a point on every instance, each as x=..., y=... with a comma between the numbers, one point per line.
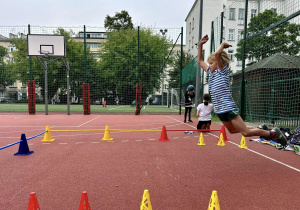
x=43, y=52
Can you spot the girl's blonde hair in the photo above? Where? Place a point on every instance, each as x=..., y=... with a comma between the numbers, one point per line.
x=224, y=56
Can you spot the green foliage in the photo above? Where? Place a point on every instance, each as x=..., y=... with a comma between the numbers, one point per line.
x=282, y=39
x=6, y=77
x=174, y=73
x=120, y=21
x=119, y=62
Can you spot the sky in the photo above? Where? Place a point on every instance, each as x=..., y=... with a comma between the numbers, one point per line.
x=147, y=13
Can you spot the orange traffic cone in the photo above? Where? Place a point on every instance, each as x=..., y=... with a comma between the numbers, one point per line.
x=223, y=131
x=163, y=136
x=33, y=203
x=84, y=202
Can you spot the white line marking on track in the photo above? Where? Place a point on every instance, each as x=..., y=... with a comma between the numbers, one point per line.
x=78, y=142
x=95, y=142
x=152, y=139
x=62, y=143
x=138, y=140
x=272, y=159
x=46, y=143
x=175, y=137
x=88, y=121
x=124, y=140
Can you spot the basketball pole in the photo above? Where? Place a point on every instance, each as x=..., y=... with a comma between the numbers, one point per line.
x=46, y=88
x=66, y=64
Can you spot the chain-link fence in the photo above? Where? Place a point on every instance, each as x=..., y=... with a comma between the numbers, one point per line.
x=110, y=62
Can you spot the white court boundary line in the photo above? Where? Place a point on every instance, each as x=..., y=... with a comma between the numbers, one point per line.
x=267, y=157
x=89, y=121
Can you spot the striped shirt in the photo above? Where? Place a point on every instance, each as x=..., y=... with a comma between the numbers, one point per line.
x=219, y=90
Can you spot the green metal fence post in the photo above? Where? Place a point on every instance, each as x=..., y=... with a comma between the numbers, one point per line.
x=84, y=45
x=180, y=79
x=30, y=61
x=138, y=55
x=242, y=96
x=222, y=25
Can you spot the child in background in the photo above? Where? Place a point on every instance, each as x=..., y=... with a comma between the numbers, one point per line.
x=204, y=113
x=189, y=95
x=224, y=105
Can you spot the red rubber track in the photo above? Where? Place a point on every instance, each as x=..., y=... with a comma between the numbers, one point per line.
x=179, y=174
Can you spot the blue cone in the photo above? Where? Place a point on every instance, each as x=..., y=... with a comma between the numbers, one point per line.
x=23, y=148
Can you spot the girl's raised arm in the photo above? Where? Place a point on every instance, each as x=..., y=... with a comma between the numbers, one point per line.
x=201, y=62
x=219, y=52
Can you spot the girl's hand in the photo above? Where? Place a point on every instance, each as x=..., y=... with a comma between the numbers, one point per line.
x=203, y=40
x=226, y=45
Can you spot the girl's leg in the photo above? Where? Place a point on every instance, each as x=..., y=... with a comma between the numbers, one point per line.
x=238, y=125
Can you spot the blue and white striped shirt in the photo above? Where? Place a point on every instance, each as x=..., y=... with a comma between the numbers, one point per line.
x=219, y=90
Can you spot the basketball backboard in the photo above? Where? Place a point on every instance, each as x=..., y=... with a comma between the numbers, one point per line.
x=46, y=45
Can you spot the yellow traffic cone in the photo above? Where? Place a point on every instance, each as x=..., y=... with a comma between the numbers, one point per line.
x=107, y=136
x=146, y=204
x=214, y=201
x=243, y=144
x=221, y=141
x=47, y=135
x=201, y=140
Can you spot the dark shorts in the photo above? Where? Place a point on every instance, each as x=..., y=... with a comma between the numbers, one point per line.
x=228, y=116
x=201, y=123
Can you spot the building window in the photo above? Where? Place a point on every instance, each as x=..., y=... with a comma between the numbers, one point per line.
x=11, y=48
x=192, y=42
x=241, y=14
x=231, y=34
x=239, y=63
x=253, y=13
x=232, y=14
x=240, y=35
x=93, y=45
x=274, y=10
x=231, y=55
x=193, y=23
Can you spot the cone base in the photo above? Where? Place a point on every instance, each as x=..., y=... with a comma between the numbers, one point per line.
x=29, y=153
x=243, y=147
x=44, y=140
x=202, y=144
x=107, y=139
x=164, y=140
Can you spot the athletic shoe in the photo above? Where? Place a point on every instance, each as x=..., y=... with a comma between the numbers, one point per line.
x=263, y=127
x=190, y=121
x=280, y=137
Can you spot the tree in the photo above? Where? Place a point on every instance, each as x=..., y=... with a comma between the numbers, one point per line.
x=120, y=21
x=6, y=76
x=174, y=73
x=119, y=63
x=282, y=39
